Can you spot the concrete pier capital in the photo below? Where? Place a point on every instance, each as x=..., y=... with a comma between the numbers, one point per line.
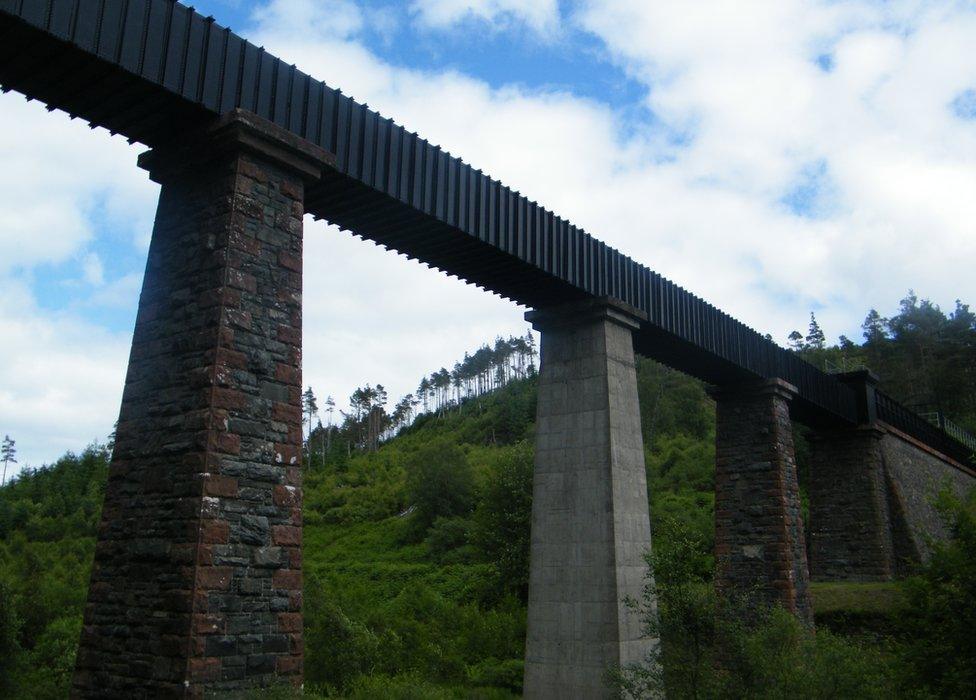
x=583, y=311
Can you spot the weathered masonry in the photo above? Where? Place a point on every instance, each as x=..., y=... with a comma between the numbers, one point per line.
x=197, y=573
x=197, y=578
x=872, y=492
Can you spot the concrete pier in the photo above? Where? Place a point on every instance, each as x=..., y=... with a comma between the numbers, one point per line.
x=590, y=524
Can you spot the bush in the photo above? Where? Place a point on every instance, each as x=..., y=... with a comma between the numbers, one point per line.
x=440, y=483
x=503, y=517
x=706, y=652
x=939, y=618
x=447, y=540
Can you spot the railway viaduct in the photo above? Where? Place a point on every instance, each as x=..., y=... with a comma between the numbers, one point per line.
x=197, y=583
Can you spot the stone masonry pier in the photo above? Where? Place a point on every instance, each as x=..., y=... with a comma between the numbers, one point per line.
x=760, y=552
x=197, y=578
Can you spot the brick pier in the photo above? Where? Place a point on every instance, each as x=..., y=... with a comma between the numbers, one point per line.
x=590, y=526
x=760, y=552
x=197, y=582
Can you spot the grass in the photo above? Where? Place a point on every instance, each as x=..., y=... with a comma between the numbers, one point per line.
x=871, y=598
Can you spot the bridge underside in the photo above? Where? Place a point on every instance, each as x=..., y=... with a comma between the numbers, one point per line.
x=154, y=71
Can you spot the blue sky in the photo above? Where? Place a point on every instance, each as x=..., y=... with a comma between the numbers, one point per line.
x=775, y=158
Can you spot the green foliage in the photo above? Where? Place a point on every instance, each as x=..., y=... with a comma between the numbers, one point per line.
x=924, y=357
x=707, y=652
x=503, y=516
x=48, y=518
x=940, y=615
x=440, y=484
x=11, y=654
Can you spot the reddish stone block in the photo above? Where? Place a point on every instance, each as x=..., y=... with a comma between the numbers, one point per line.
x=286, y=412
x=293, y=189
x=293, y=476
x=214, y=578
x=287, y=579
x=289, y=261
x=204, y=555
x=289, y=665
x=204, y=669
x=287, y=453
x=289, y=374
x=290, y=335
x=289, y=622
x=214, y=532
x=286, y=535
x=231, y=399
x=219, y=485
x=230, y=358
x=228, y=443
x=286, y=496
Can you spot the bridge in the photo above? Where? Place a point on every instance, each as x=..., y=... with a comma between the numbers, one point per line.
x=197, y=579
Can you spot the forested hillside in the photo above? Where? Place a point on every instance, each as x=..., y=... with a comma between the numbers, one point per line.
x=415, y=546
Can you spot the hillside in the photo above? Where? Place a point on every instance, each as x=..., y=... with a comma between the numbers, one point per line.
x=415, y=549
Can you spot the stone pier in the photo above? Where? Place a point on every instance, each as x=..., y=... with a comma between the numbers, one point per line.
x=760, y=552
x=590, y=526
x=197, y=584
x=850, y=526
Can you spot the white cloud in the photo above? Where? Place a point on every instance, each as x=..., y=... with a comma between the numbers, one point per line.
x=57, y=178
x=60, y=378
x=339, y=18
x=62, y=186
x=92, y=270
x=539, y=15
x=743, y=80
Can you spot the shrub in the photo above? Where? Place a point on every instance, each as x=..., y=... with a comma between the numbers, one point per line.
x=939, y=618
x=440, y=483
x=706, y=652
x=502, y=519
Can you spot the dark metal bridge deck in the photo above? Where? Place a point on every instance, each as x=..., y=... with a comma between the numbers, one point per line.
x=152, y=70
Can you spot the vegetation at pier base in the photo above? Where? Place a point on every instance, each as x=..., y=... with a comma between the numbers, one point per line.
x=416, y=544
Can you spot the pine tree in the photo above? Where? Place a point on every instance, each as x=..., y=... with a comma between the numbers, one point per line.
x=815, y=338
x=329, y=408
x=309, y=408
x=875, y=327
x=796, y=341
x=8, y=454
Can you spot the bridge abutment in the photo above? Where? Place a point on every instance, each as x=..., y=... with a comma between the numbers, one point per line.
x=760, y=552
x=590, y=524
x=197, y=584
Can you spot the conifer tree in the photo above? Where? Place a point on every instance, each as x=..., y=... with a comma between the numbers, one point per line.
x=8, y=454
x=875, y=327
x=796, y=341
x=815, y=337
x=310, y=407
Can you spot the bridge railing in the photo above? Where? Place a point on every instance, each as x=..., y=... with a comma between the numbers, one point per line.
x=943, y=435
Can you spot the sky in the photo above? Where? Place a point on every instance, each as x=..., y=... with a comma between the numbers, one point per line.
x=773, y=158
